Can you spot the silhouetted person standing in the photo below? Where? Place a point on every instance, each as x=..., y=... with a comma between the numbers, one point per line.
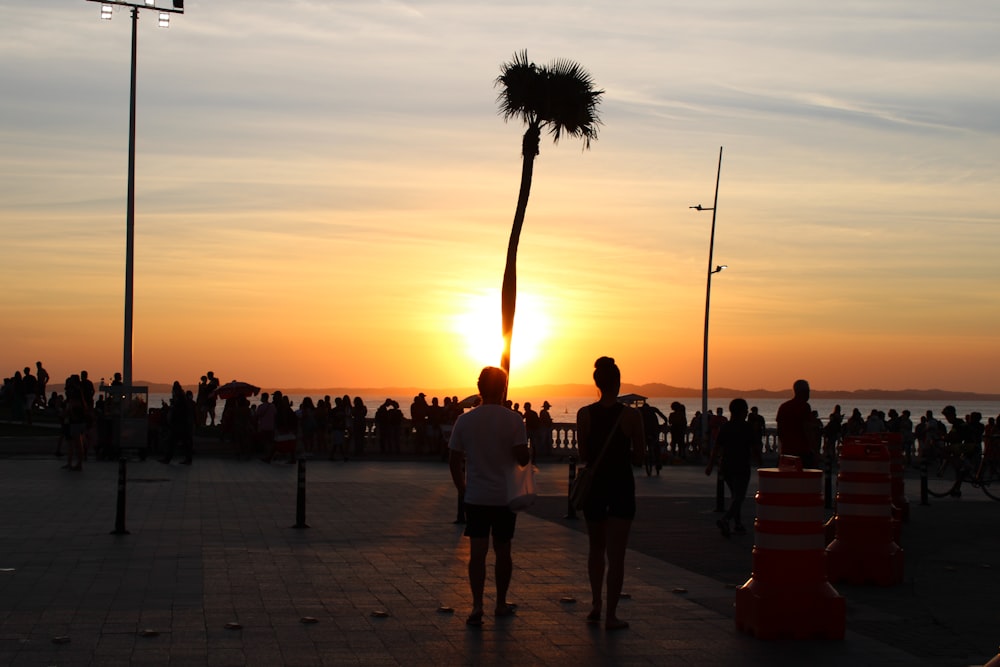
x=533, y=424
x=651, y=416
x=545, y=419
x=181, y=421
x=796, y=427
x=610, y=507
x=42, y=376
x=678, y=426
x=738, y=447
x=486, y=443
x=29, y=388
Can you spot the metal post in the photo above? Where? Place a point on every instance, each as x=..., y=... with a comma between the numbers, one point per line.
x=828, y=483
x=300, y=497
x=130, y=215
x=570, y=510
x=120, y=509
x=923, y=481
x=720, y=491
x=708, y=299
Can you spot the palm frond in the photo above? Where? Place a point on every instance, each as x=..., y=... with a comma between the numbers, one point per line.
x=572, y=102
x=560, y=96
x=520, y=85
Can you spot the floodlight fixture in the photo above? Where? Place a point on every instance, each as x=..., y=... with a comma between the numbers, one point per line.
x=106, y=12
x=164, y=20
x=172, y=6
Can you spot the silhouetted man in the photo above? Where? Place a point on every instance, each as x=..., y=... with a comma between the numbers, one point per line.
x=488, y=441
x=796, y=427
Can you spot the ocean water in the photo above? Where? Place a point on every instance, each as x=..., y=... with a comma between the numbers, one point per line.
x=564, y=408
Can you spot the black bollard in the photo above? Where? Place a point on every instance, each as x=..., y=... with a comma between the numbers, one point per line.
x=923, y=482
x=720, y=492
x=120, y=509
x=828, y=484
x=570, y=510
x=300, y=498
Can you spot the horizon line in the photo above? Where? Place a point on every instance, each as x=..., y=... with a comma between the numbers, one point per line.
x=659, y=390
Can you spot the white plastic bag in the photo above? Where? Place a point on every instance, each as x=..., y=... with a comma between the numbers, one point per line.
x=521, y=490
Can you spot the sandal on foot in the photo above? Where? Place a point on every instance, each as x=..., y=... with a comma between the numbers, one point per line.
x=475, y=619
x=594, y=617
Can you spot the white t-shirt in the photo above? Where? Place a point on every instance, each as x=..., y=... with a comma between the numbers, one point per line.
x=487, y=435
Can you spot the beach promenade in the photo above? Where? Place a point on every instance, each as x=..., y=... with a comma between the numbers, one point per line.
x=213, y=573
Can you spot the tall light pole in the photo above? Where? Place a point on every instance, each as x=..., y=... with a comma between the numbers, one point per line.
x=107, y=10
x=708, y=300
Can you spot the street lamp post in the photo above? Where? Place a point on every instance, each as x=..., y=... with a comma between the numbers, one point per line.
x=107, y=7
x=130, y=426
x=708, y=300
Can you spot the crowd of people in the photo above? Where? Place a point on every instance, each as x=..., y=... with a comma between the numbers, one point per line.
x=24, y=393
x=341, y=427
x=274, y=427
x=271, y=428
x=675, y=438
x=84, y=414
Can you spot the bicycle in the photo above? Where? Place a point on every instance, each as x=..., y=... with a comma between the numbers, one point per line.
x=948, y=468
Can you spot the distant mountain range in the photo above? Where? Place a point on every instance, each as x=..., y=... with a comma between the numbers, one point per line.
x=650, y=390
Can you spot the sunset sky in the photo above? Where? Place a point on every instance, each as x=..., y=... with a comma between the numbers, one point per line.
x=324, y=192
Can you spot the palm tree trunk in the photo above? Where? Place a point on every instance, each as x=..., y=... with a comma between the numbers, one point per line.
x=508, y=292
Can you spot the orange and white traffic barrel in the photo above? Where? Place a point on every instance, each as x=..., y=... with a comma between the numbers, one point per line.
x=863, y=551
x=900, y=505
x=788, y=594
x=897, y=466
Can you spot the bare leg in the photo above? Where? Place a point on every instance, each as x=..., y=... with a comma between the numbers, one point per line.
x=617, y=531
x=502, y=572
x=478, y=548
x=596, y=530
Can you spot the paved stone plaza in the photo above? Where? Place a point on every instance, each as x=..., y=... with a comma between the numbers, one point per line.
x=212, y=545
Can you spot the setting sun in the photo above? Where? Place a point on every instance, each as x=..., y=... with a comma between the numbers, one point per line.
x=478, y=324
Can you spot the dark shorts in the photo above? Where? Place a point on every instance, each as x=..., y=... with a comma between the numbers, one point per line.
x=614, y=499
x=481, y=520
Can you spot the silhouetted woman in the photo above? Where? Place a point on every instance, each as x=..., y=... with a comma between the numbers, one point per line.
x=75, y=415
x=678, y=425
x=359, y=414
x=307, y=424
x=611, y=506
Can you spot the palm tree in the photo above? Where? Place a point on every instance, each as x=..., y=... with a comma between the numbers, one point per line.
x=561, y=98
